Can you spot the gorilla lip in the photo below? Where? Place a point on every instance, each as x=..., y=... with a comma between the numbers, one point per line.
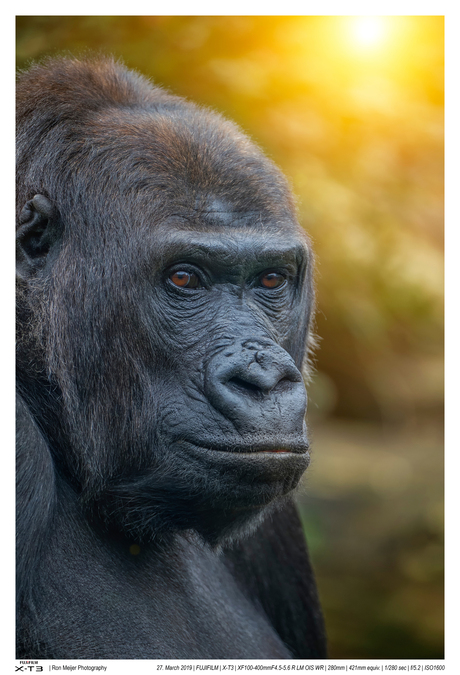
x=299, y=447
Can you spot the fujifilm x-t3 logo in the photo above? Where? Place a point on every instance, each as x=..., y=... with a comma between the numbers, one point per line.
x=29, y=667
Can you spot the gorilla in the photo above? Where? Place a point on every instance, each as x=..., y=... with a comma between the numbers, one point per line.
x=164, y=303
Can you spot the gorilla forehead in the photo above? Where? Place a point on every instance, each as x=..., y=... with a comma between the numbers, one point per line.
x=194, y=161
x=215, y=212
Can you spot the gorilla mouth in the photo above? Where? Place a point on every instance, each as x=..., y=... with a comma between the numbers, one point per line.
x=262, y=450
x=296, y=447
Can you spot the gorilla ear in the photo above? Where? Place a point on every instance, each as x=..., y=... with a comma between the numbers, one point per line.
x=38, y=231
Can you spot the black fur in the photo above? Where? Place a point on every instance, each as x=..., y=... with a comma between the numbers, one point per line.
x=160, y=426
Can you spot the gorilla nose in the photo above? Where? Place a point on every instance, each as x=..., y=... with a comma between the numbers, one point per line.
x=257, y=386
x=259, y=369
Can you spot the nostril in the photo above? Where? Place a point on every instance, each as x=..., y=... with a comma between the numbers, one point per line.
x=260, y=387
x=244, y=385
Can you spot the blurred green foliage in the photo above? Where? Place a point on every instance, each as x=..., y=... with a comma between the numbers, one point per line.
x=373, y=511
x=355, y=120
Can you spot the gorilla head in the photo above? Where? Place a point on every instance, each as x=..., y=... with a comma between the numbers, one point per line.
x=164, y=304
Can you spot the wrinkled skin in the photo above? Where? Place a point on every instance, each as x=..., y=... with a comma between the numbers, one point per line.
x=164, y=303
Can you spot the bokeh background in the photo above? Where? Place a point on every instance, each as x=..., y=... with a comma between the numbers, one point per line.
x=351, y=108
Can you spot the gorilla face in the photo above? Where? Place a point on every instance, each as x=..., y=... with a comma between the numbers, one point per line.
x=227, y=302
x=226, y=423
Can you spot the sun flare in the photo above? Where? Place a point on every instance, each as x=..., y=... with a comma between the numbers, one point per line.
x=368, y=31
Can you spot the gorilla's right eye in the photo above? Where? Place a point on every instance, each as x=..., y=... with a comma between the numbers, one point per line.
x=184, y=279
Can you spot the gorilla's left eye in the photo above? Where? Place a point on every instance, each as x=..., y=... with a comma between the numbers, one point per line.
x=184, y=279
x=272, y=280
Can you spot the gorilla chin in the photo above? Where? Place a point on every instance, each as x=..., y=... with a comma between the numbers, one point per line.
x=248, y=477
x=221, y=494
x=257, y=481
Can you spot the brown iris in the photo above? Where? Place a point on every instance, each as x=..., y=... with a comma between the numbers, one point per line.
x=272, y=280
x=184, y=279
